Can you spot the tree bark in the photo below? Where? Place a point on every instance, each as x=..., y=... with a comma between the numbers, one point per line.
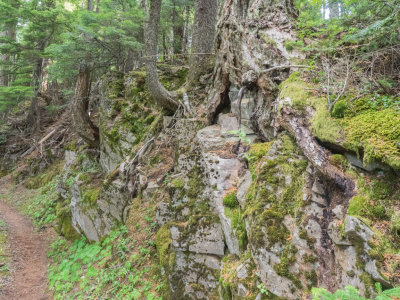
x=205, y=19
x=163, y=97
x=90, y=5
x=9, y=33
x=80, y=118
x=185, y=36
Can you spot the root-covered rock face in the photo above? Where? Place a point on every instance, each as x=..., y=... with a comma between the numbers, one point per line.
x=264, y=195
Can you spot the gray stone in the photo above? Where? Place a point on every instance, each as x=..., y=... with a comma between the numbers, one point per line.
x=242, y=271
x=334, y=234
x=357, y=230
x=208, y=240
x=242, y=291
x=319, y=199
x=167, y=120
x=244, y=185
x=228, y=122
x=370, y=268
x=355, y=161
x=339, y=212
x=318, y=187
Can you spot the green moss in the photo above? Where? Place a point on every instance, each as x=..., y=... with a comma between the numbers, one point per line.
x=64, y=222
x=368, y=283
x=339, y=109
x=312, y=279
x=41, y=180
x=377, y=133
x=71, y=146
x=322, y=124
x=178, y=183
x=338, y=160
x=230, y=200
x=362, y=207
x=163, y=242
x=85, y=177
x=395, y=224
x=309, y=258
x=115, y=86
x=310, y=240
x=90, y=196
x=195, y=184
x=265, y=207
x=287, y=258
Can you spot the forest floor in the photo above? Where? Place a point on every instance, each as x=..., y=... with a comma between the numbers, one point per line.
x=28, y=267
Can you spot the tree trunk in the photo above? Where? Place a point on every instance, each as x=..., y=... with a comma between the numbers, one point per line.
x=334, y=11
x=185, y=37
x=90, y=5
x=163, y=97
x=80, y=118
x=34, y=111
x=203, y=38
x=98, y=6
x=9, y=33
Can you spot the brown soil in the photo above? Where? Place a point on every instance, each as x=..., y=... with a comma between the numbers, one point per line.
x=28, y=278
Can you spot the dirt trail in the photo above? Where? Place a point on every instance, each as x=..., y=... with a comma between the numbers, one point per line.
x=28, y=278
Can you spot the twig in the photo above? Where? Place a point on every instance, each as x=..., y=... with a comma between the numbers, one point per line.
x=284, y=67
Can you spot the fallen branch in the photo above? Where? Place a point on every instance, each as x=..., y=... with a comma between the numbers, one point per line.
x=284, y=67
x=315, y=153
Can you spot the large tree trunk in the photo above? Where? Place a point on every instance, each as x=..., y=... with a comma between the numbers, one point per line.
x=163, y=97
x=205, y=18
x=80, y=118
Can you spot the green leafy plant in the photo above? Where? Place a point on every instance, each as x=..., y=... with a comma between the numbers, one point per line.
x=351, y=293
x=263, y=290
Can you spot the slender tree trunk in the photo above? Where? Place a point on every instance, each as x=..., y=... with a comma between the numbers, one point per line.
x=80, y=118
x=334, y=9
x=90, y=5
x=205, y=18
x=10, y=34
x=98, y=6
x=163, y=97
x=34, y=111
x=185, y=37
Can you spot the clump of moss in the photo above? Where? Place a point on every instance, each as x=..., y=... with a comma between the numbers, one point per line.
x=338, y=160
x=163, y=241
x=64, y=222
x=265, y=207
x=312, y=279
x=377, y=133
x=85, y=177
x=178, y=183
x=323, y=125
x=43, y=179
x=309, y=258
x=71, y=146
x=90, y=196
x=361, y=206
x=395, y=224
x=339, y=110
x=230, y=200
x=287, y=258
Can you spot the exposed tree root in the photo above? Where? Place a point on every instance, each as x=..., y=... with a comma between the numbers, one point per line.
x=297, y=125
